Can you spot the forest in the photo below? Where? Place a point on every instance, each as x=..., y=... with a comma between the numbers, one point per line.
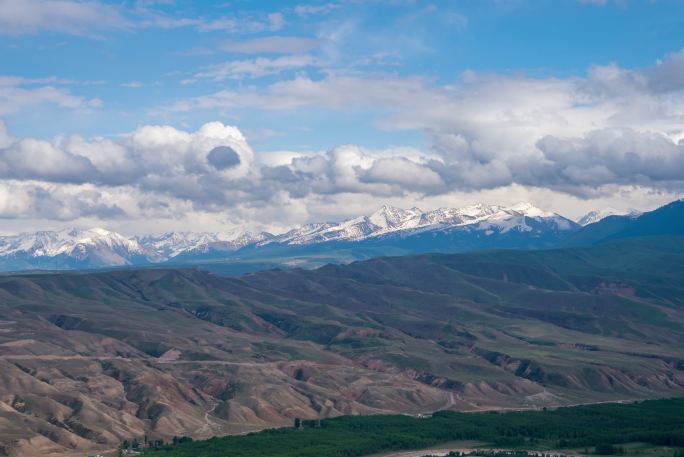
x=598, y=428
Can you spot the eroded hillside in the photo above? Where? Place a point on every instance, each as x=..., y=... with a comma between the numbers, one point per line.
x=87, y=360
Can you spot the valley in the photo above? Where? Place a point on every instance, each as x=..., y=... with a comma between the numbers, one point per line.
x=341, y=228
x=90, y=359
x=642, y=428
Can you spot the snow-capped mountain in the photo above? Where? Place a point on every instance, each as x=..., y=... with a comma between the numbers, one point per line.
x=174, y=244
x=392, y=222
x=404, y=230
x=597, y=215
x=73, y=248
x=385, y=220
x=171, y=244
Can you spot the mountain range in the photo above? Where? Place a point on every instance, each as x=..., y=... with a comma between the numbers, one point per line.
x=88, y=360
x=597, y=215
x=388, y=231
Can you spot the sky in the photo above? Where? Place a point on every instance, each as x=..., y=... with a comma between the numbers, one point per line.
x=157, y=115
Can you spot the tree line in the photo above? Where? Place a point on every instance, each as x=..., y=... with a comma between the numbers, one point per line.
x=599, y=427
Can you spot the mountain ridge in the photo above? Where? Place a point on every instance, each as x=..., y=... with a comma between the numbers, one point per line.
x=96, y=247
x=387, y=231
x=666, y=220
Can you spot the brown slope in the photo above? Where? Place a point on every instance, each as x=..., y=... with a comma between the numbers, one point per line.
x=89, y=360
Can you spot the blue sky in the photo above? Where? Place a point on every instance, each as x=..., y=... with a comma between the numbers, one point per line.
x=436, y=40
x=398, y=80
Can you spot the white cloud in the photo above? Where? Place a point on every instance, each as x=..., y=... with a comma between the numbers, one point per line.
x=274, y=44
x=63, y=203
x=64, y=16
x=568, y=145
x=5, y=138
x=325, y=8
x=252, y=68
x=95, y=17
x=160, y=178
x=404, y=173
x=17, y=93
x=276, y=21
x=577, y=135
x=37, y=159
x=112, y=162
x=158, y=158
x=613, y=156
x=335, y=91
x=272, y=22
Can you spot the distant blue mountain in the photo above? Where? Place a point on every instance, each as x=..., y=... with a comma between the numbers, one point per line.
x=388, y=231
x=666, y=220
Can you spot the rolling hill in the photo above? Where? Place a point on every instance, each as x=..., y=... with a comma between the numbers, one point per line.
x=90, y=359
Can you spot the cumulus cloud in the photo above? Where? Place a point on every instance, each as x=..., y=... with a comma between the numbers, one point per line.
x=223, y=157
x=613, y=133
x=404, y=173
x=210, y=169
x=199, y=165
x=577, y=135
x=613, y=156
x=36, y=159
x=30, y=200
x=163, y=172
x=668, y=74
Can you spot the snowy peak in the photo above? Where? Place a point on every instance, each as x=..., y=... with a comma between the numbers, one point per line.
x=529, y=210
x=95, y=247
x=391, y=221
x=78, y=248
x=460, y=216
x=597, y=215
x=350, y=230
x=391, y=217
x=100, y=237
x=248, y=238
x=173, y=244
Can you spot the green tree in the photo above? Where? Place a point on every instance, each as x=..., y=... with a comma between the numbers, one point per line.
x=609, y=449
